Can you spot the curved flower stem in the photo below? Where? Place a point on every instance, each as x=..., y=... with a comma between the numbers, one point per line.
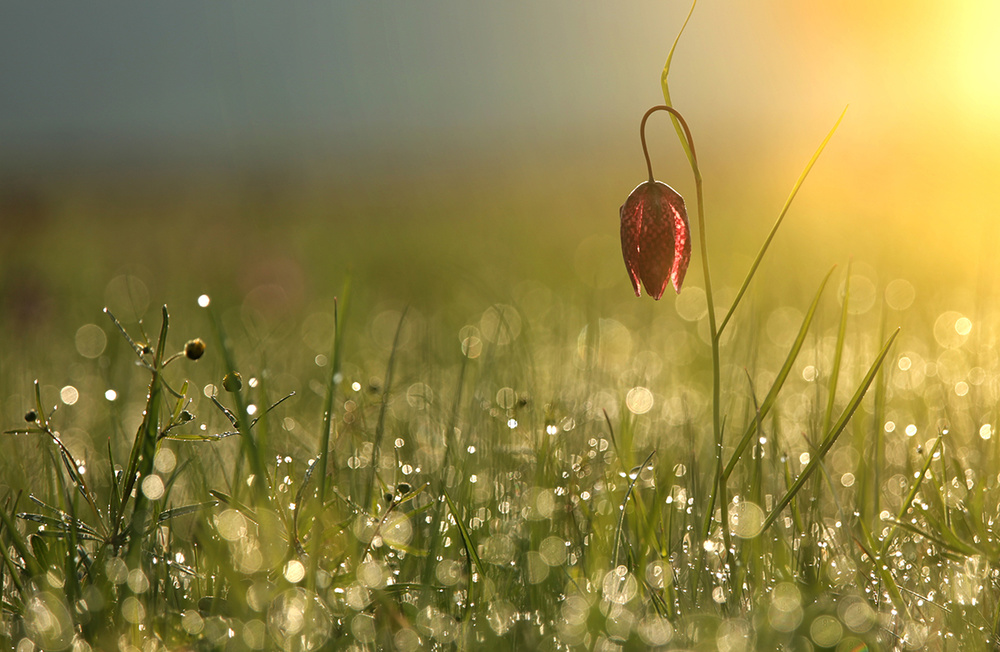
x=702, y=239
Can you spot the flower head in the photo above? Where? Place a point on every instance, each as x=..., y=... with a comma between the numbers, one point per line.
x=656, y=239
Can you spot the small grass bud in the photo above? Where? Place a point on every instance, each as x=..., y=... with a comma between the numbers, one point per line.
x=233, y=382
x=195, y=348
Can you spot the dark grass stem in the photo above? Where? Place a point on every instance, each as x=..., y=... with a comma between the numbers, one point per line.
x=703, y=245
x=380, y=426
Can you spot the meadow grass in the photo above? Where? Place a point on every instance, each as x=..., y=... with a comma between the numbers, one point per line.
x=543, y=476
x=529, y=467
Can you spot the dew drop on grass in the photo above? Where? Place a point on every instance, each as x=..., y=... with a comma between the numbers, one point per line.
x=204, y=301
x=655, y=631
x=639, y=400
x=152, y=487
x=299, y=621
x=165, y=460
x=192, y=622
x=132, y=610
x=91, y=341
x=826, y=631
x=294, y=571
x=619, y=586
x=69, y=395
x=746, y=519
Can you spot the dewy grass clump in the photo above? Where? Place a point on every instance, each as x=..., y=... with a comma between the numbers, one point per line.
x=517, y=489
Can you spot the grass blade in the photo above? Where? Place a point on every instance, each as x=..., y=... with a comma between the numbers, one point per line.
x=777, y=223
x=665, y=86
x=838, y=354
x=779, y=381
x=380, y=427
x=910, y=497
x=832, y=436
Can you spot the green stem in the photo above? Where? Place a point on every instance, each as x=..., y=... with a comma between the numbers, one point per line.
x=703, y=244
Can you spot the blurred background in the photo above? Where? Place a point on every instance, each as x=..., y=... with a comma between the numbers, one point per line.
x=445, y=152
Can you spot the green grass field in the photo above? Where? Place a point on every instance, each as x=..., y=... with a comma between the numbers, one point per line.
x=520, y=453
x=414, y=405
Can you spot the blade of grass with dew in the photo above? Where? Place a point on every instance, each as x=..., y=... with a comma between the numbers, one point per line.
x=832, y=436
x=470, y=548
x=333, y=381
x=621, y=519
x=31, y=565
x=838, y=354
x=665, y=85
x=251, y=450
x=882, y=569
x=449, y=446
x=911, y=496
x=779, y=381
x=78, y=479
x=146, y=440
x=777, y=223
x=383, y=408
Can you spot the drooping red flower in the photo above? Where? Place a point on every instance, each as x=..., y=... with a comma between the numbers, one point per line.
x=656, y=238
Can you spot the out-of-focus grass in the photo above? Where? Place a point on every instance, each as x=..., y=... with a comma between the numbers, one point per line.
x=528, y=386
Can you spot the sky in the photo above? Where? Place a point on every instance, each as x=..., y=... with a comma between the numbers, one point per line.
x=237, y=76
x=761, y=83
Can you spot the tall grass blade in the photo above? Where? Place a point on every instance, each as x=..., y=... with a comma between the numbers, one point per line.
x=882, y=568
x=777, y=223
x=628, y=493
x=383, y=408
x=832, y=436
x=144, y=449
x=251, y=448
x=838, y=355
x=912, y=495
x=665, y=85
x=31, y=565
x=779, y=381
x=470, y=549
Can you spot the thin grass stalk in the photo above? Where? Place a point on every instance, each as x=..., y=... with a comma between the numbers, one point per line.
x=628, y=494
x=777, y=223
x=146, y=440
x=665, y=85
x=772, y=394
x=251, y=447
x=324, y=449
x=838, y=355
x=380, y=426
x=911, y=496
x=832, y=436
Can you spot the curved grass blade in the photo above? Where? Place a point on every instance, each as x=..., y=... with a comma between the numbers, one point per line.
x=140, y=351
x=910, y=497
x=779, y=381
x=621, y=518
x=665, y=86
x=470, y=549
x=168, y=514
x=251, y=447
x=839, y=354
x=882, y=569
x=31, y=565
x=832, y=436
x=777, y=223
